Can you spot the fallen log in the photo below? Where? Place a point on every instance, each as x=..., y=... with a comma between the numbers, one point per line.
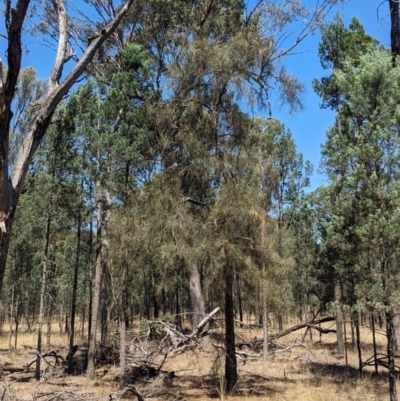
x=12, y=369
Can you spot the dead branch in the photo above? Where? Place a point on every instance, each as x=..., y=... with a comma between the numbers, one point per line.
x=52, y=354
x=201, y=325
x=382, y=361
x=311, y=324
x=288, y=347
x=239, y=353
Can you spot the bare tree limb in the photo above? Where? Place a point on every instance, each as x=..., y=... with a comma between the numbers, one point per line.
x=311, y=323
x=55, y=75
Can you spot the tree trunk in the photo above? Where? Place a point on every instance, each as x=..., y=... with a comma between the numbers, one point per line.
x=96, y=296
x=42, y=294
x=357, y=320
x=396, y=323
x=196, y=297
x=374, y=342
x=90, y=279
x=105, y=303
x=74, y=292
x=390, y=335
x=240, y=304
x=11, y=319
x=49, y=315
x=230, y=357
x=16, y=314
x=339, y=316
x=178, y=308
x=394, y=27
x=27, y=310
x=122, y=323
x=156, y=307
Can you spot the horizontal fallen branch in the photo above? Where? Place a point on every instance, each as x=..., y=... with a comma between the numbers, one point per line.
x=312, y=324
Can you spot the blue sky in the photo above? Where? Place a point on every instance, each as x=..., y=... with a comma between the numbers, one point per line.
x=308, y=126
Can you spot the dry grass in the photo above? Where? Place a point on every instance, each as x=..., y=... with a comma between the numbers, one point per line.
x=309, y=372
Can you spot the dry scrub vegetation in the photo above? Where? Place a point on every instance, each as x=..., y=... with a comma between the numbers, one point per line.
x=298, y=369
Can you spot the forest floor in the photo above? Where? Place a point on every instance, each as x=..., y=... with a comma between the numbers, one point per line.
x=302, y=369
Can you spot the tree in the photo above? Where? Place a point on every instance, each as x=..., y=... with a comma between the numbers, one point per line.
x=361, y=157
x=12, y=177
x=339, y=45
x=110, y=118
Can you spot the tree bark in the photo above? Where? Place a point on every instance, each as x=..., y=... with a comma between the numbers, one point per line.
x=90, y=260
x=178, y=308
x=396, y=324
x=74, y=292
x=105, y=299
x=374, y=342
x=230, y=356
x=390, y=335
x=339, y=316
x=196, y=297
x=42, y=293
x=265, y=318
x=49, y=314
x=357, y=321
x=96, y=296
x=16, y=315
x=11, y=319
x=394, y=27
x=122, y=325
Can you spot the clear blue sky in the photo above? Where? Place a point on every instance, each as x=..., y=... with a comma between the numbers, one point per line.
x=308, y=126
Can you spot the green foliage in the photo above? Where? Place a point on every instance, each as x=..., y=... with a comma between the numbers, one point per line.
x=161, y=140
x=361, y=157
x=144, y=324
x=339, y=45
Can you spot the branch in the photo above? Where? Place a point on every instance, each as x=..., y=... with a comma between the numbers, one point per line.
x=201, y=325
x=54, y=97
x=311, y=323
x=55, y=75
x=194, y=201
x=14, y=20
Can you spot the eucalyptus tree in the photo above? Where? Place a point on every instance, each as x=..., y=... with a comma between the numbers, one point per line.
x=48, y=200
x=13, y=175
